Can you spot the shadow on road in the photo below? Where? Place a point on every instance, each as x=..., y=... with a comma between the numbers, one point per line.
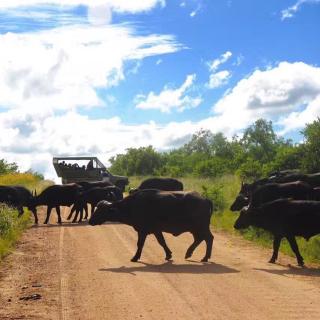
x=170, y=267
x=291, y=270
x=68, y=224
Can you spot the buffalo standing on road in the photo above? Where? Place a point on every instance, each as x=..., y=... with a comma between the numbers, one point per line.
x=92, y=197
x=284, y=218
x=56, y=196
x=154, y=211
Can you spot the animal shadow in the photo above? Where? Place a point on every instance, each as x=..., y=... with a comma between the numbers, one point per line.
x=292, y=270
x=170, y=267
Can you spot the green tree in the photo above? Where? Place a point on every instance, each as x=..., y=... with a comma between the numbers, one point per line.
x=200, y=142
x=311, y=148
x=6, y=167
x=137, y=161
x=260, y=141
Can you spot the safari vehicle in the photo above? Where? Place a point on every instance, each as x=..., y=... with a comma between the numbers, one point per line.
x=76, y=169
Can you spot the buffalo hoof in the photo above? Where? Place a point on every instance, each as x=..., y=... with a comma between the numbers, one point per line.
x=301, y=263
x=169, y=256
x=59, y=222
x=204, y=259
x=46, y=222
x=135, y=259
x=272, y=261
x=188, y=255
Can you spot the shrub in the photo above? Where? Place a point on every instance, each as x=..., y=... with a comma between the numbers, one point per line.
x=215, y=194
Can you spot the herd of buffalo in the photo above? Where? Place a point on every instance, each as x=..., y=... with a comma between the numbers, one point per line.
x=287, y=204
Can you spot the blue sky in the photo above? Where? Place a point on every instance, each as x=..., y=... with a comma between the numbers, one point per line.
x=84, y=77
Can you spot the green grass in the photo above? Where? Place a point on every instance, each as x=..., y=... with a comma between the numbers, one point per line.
x=11, y=226
x=224, y=219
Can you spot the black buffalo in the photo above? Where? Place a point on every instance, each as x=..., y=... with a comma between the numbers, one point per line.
x=18, y=197
x=92, y=197
x=164, y=184
x=272, y=191
x=284, y=218
x=56, y=196
x=312, y=179
x=154, y=211
x=87, y=185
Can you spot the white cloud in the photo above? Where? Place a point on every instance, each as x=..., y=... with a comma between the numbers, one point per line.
x=219, y=79
x=169, y=99
x=62, y=68
x=27, y=138
x=278, y=92
x=116, y=5
x=99, y=12
x=214, y=64
x=288, y=94
x=291, y=11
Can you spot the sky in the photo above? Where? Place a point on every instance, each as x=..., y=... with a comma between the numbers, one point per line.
x=95, y=77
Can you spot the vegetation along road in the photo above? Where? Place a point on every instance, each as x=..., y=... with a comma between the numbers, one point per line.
x=84, y=272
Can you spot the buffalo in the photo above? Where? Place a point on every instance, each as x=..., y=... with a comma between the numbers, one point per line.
x=164, y=184
x=56, y=196
x=153, y=211
x=312, y=179
x=272, y=191
x=92, y=197
x=18, y=197
x=284, y=218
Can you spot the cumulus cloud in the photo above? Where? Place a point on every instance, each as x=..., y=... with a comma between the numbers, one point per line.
x=214, y=64
x=288, y=94
x=277, y=92
x=116, y=5
x=48, y=134
x=219, y=79
x=291, y=11
x=169, y=99
x=59, y=12
x=62, y=67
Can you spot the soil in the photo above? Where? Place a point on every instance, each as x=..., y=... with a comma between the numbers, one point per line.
x=76, y=271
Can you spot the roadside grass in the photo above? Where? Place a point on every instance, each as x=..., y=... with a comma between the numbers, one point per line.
x=224, y=219
x=12, y=226
x=27, y=180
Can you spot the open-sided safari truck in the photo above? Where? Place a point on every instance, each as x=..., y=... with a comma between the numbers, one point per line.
x=76, y=169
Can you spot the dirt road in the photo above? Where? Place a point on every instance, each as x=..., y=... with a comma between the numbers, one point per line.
x=84, y=272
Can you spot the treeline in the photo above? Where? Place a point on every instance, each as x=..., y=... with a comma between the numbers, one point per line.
x=257, y=153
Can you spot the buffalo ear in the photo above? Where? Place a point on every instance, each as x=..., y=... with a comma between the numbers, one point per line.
x=35, y=192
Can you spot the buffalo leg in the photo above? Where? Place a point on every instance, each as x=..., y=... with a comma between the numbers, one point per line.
x=276, y=245
x=141, y=239
x=76, y=215
x=35, y=216
x=73, y=209
x=193, y=246
x=209, y=242
x=163, y=244
x=295, y=249
x=92, y=205
x=48, y=214
x=20, y=211
x=59, y=214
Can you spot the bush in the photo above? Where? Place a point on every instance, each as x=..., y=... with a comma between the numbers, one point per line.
x=215, y=194
x=11, y=227
x=214, y=167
